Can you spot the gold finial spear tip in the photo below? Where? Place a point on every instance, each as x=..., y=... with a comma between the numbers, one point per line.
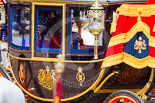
x=96, y=5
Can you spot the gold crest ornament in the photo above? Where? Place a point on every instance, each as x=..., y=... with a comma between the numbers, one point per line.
x=140, y=45
x=46, y=78
x=80, y=77
x=22, y=74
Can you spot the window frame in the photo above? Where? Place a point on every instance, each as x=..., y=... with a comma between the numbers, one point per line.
x=45, y=7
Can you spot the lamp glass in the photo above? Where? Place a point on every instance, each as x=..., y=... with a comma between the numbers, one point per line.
x=96, y=19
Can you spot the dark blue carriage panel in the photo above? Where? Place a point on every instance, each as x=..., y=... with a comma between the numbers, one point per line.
x=131, y=45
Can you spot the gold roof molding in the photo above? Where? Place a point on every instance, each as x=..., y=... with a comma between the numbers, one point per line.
x=137, y=10
x=55, y=1
x=89, y=2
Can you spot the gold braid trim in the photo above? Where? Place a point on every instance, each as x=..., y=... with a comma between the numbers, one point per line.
x=133, y=10
x=125, y=37
x=153, y=9
x=138, y=27
x=118, y=39
x=112, y=60
x=135, y=62
x=128, y=59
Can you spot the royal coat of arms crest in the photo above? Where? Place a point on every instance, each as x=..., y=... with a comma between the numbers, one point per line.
x=46, y=78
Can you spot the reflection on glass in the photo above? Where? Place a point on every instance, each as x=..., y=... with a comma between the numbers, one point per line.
x=96, y=22
x=21, y=26
x=49, y=28
x=82, y=38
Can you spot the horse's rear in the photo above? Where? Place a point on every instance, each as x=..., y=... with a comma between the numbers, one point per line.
x=9, y=92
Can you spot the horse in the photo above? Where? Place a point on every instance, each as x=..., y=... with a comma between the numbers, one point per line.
x=10, y=93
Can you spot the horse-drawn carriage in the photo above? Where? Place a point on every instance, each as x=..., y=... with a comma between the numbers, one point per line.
x=42, y=36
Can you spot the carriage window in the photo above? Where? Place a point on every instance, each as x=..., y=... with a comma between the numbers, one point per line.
x=81, y=39
x=20, y=26
x=48, y=27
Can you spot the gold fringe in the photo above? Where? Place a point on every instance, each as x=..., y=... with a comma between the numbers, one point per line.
x=135, y=62
x=112, y=60
x=128, y=59
x=133, y=10
x=118, y=39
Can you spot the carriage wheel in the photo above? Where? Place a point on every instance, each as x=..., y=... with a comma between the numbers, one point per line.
x=123, y=96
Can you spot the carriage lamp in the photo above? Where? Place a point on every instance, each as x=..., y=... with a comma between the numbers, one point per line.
x=96, y=23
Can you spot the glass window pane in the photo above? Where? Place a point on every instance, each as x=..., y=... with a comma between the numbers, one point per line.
x=48, y=28
x=82, y=40
x=79, y=27
x=20, y=26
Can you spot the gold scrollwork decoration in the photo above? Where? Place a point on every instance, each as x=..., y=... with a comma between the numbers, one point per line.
x=46, y=78
x=22, y=74
x=80, y=76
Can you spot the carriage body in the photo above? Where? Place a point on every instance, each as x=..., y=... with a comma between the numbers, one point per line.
x=32, y=25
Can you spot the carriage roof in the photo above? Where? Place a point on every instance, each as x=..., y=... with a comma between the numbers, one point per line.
x=108, y=2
